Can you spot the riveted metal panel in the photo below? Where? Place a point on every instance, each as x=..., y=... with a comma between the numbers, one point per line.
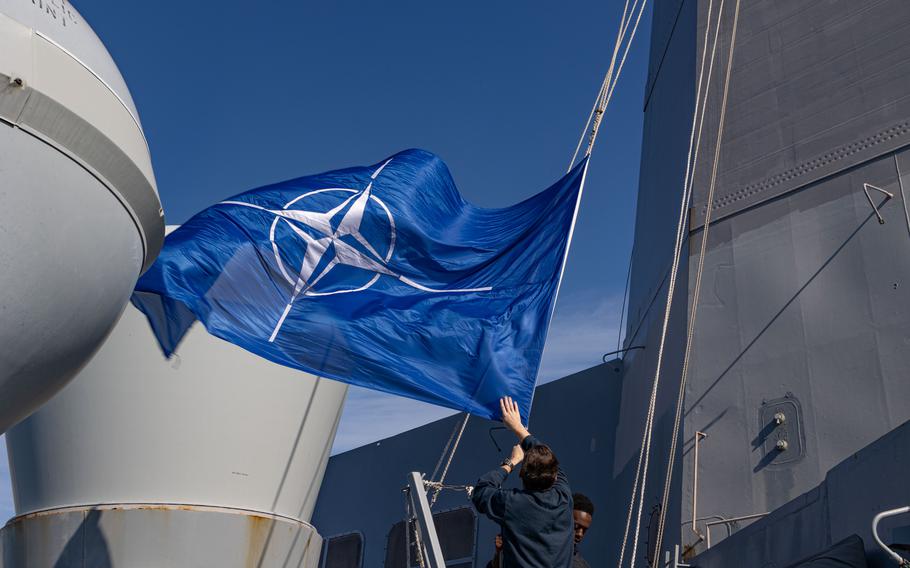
x=802, y=295
x=818, y=87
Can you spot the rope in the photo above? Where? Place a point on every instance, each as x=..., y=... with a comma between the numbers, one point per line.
x=445, y=471
x=420, y=549
x=605, y=92
x=698, y=278
x=407, y=528
x=609, y=94
x=445, y=450
x=600, y=106
x=438, y=486
x=639, y=483
x=700, y=114
x=441, y=486
x=603, y=85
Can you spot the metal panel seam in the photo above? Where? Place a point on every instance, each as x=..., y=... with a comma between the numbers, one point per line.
x=806, y=168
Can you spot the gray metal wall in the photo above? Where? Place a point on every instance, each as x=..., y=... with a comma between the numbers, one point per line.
x=362, y=488
x=805, y=306
x=669, y=99
x=818, y=86
x=806, y=299
x=843, y=504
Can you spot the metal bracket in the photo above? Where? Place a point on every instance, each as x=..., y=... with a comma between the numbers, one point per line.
x=430, y=540
x=621, y=351
x=888, y=197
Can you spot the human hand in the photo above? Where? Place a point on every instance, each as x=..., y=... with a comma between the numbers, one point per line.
x=511, y=418
x=517, y=455
x=497, y=542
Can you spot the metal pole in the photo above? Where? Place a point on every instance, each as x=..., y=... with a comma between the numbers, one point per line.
x=674, y=561
x=701, y=537
x=425, y=520
x=730, y=521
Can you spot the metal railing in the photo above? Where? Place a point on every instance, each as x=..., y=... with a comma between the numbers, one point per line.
x=901, y=561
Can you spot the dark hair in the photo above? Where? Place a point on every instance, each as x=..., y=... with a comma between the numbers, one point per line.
x=539, y=469
x=582, y=503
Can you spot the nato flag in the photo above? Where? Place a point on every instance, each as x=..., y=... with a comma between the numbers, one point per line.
x=380, y=276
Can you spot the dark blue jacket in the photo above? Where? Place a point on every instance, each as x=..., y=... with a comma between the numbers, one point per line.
x=537, y=526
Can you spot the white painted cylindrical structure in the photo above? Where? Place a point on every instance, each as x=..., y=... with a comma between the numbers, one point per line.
x=213, y=430
x=79, y=212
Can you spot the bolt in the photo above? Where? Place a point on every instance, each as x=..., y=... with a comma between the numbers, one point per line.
x=781, y=445
x=780, y=418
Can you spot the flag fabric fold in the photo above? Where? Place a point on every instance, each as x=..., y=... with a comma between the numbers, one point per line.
x=380, y=276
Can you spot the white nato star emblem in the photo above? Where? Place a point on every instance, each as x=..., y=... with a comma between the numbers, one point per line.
x=329, y=242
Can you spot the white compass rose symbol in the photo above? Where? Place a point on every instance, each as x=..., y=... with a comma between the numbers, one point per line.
x=328, y=250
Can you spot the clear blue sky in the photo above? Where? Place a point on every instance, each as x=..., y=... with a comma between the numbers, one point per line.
x=233, y=95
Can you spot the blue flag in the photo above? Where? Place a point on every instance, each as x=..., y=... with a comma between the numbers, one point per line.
x=380, y=276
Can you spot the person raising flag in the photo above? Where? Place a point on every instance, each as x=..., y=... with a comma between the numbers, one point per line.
x=536, y=521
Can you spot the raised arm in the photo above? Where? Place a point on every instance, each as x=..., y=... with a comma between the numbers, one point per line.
x=488, y=497
x=512, y=420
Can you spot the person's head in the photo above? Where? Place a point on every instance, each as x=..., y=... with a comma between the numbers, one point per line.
x=539, y=468
x=583, y=513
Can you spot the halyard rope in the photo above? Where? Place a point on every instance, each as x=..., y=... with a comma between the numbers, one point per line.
x=445, y=450
x=439, y=484
x=684, y=202
x=407, y=528
x=449, y=449
x=608, y=95
x=698, y=280
x=694, y=143
x=700, y=115
x=610, y=79
x=603, y=86
x=594, y=120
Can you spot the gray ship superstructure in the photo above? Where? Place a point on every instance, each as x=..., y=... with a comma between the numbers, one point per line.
x=797, y=390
